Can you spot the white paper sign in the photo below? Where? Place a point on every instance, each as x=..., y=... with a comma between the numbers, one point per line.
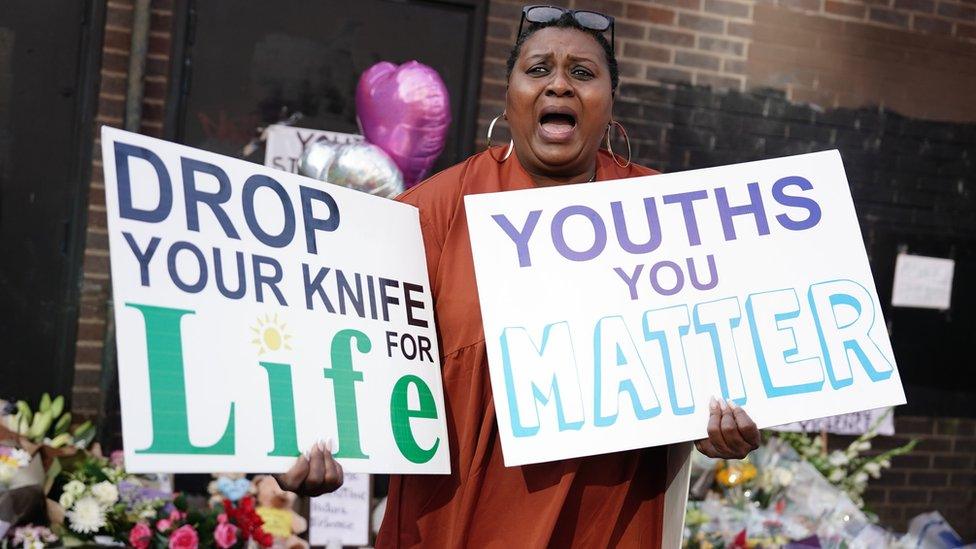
x=614, y=310
x=259, y=311
x=343, y=515
x=924, y=282
x=854, y=423
x=286, y=144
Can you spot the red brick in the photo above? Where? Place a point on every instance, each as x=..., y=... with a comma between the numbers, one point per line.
x=114, y=108
x=89, y=355
x=909, y=425
x=630, y=69
x=118, y=17
x=91, y=331
x=115, y=62
x=742, y=30
x=686, y=4
x=117, y=39
x=647, y=53
x=805, y=5
x=856, y=11
x=926, y=6
x=609, y=7
x=928, y=479
x=160, y=20
x=734, y=66
x=718, y=82
x=723, y=7
x=966, y=31
x=624, y=29
x=701, y=23
x=957, y=11
x=503, y=30
x=667, y=74
x=697, y=60
x=956, y=426
x=650, y=14
x=953, y=462
x=720, y=45
x=908, y=496
x=889, y=17
x=671, y=38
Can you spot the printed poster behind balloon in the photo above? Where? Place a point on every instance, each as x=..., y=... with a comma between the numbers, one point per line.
x=258, y=311
x=614, y=311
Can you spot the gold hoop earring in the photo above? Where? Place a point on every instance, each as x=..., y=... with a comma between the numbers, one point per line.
x=626, y=139
x=511, y=142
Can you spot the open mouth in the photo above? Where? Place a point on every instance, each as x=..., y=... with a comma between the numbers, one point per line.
x=557, y=126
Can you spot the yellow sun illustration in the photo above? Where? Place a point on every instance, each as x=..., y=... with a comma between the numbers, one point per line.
x=270, y=335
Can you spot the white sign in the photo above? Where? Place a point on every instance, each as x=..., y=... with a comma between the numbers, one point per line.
x=286, y=144
x=259, y=311
x=342, y=517
x=924, y=282
x=855, y=423
x=613, y=311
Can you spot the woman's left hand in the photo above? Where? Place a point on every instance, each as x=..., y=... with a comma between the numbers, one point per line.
x=731, y=432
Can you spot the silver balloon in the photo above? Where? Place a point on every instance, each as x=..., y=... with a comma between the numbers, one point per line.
x=360, y=166
x=317, y=159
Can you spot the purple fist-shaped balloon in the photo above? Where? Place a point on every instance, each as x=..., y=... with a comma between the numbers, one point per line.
x=405, y=110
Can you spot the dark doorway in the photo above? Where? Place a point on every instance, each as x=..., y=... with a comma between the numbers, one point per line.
x=49, y=55
x=246, y=64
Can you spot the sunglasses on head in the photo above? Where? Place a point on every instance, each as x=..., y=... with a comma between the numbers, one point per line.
x=590, y=20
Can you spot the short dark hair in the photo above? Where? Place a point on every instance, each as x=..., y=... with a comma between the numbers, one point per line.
x=567, y=21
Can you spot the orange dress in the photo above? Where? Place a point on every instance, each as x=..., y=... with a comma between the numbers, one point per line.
x=611, y=500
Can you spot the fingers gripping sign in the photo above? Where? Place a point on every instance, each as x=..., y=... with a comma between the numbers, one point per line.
x=314, y=473
x=731, y=432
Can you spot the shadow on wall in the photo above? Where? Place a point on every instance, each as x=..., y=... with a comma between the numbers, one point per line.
x=914, y=188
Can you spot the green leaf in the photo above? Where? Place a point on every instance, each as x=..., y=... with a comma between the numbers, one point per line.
x=45, y=402
x=57, y=406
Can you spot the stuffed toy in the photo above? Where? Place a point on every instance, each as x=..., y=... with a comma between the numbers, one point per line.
x=277, y=508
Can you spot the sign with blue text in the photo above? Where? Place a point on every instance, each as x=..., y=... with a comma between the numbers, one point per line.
x=613, y=311
x=258, y=311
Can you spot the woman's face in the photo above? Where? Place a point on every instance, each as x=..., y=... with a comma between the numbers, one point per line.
x=559, y=102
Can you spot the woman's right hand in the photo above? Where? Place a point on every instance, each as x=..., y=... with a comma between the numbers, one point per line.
x=313, y=474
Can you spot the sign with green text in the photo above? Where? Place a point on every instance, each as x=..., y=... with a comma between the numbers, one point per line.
x=258, y=311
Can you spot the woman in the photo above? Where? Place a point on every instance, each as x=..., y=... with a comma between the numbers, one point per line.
x=561, y=83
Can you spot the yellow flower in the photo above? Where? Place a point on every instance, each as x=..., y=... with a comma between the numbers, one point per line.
x=735, y=473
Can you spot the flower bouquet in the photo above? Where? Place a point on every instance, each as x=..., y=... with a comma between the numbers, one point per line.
x=228, y=525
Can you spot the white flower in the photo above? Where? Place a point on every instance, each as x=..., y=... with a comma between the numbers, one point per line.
x=838, y=459
x=864, y=445
x=86, y=517
x=66, y=500
x=873, y=468
x=783, y=476
x=6, y=473
x=23, y=458
x=836, y=475
x=76, y=488
x=105, y=492
x=861, y=478
x=148, y=513
x=885, y=463
x=34, y=544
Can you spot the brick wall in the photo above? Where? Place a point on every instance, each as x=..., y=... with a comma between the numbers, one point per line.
x=87, y=397
x=939, y=474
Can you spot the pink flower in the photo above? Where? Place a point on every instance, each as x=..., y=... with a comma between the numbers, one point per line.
x=163, y=525
x=225, y=535
x=184, y=537
x=140, y=535
x=222, y=518
x=175, y=515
